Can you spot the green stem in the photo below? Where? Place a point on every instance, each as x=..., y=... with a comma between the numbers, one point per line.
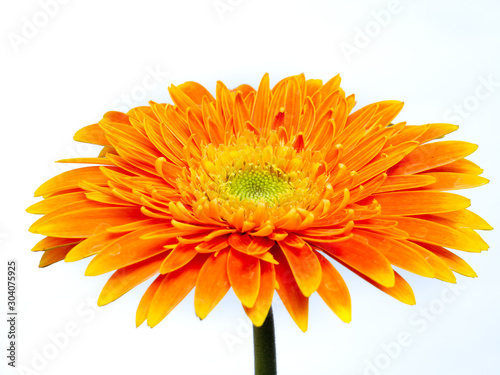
x=264, y=345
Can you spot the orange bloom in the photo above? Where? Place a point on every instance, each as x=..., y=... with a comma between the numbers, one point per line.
x=254, y=190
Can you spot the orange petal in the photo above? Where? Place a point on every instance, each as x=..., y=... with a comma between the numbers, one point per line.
x=50, y=204
x=178, y=257
x=128, y=278
x=195, y=92
x=387, y=111
x=97, y=196
x=333, y=290
x=323, y=112
x=71, y=179
x=292, y=106
x=396, y=252
x=91, y=246
x=364, y=113
x=304, y=265
x=459, y=166
x=173, y=289
x=211, y=246
x=441, y=269
x=49, y=243
x=290, y=293
x=471, y=233
x=259, y=114
x=365, y=151
x=380, y=166
x=437, y=234
x=216, y=233
x=249, y=244
x=454, y=181
x=420, y=202
x=107, y=150
x=134, y=225
x=92, y=134
x=224, y=106
x=258, y=313
x=67, y=208
x=407, y=133
x=394, y=183
x=466, y=218
x=212, y=284
x=275, y=110
x=436, y=131
x=293, y=240
x=54, y=255
x=212, y=122
x=432, y=155
x=143, y=308
x=99, y=160
x=116, y=117
x=85, y=223
x=456, y=263
x=191, y=228
x=240, y=113
x=243, y=272
x=266, y=257
x=313, y=85
x=401, y=289
x=362, y=257
x=244, y=88
x=184, y=102
x=126, y=250
x=264, y=231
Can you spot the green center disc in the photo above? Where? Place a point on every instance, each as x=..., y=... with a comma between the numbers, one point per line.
x=256, y=185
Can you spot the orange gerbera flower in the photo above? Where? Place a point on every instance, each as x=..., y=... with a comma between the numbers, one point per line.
x=253, y=190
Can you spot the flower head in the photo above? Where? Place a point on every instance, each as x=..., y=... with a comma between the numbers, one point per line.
x=257, y=190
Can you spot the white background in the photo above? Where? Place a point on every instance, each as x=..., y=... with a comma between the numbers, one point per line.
x=86, y=56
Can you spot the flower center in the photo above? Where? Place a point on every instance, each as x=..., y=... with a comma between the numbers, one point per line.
x=256, y=184
x=253, y=183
